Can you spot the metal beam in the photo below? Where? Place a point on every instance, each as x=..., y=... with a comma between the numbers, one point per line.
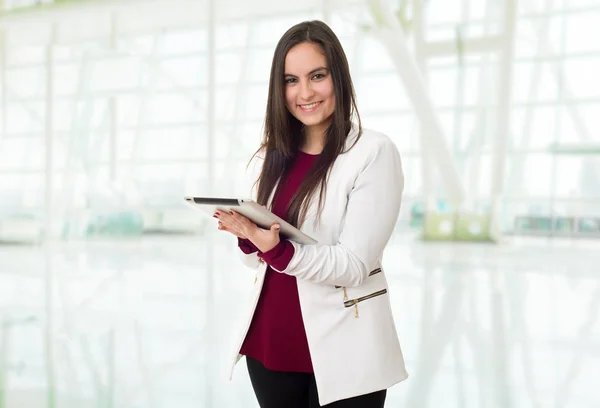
x=55, y=5
x=576, y=149
x=468, y=46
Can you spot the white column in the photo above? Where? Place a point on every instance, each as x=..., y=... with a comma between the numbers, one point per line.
x=112, y=139
x=111, y=372
x=392, y=37
x=210, y=109
x=426, y=162
x=49, y=223
x=504, y=103
x=209, y=297
x=3, y=83
x=500, y=361
x=49, y=355
x=477, y=137
x=112, y=110
x=546, y=48
x=4, y=338
x=326, y=11
x=515, y=178
x=48, y=137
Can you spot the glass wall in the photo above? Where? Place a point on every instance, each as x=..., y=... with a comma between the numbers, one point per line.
x=116, y=105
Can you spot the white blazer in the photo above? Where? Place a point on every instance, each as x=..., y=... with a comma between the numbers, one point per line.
x=343, y=291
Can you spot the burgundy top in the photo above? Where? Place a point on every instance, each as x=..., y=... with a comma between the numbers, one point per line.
x=276, y=336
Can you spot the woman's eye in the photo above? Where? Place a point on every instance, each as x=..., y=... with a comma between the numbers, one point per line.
x=318, y=76
x=290, y=80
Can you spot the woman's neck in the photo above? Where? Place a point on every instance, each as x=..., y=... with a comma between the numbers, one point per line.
x=314, y=139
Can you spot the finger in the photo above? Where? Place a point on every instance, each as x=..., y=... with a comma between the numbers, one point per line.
x=239, y=217
x=234, y=231
x=222, y=215
x=225, y=218
x=225, y=228
x=242, y=222
x=275, y=228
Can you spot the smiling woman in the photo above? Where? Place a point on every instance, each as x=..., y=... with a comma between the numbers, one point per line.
x=309, y=67
x=320, y=311
x=309, y=92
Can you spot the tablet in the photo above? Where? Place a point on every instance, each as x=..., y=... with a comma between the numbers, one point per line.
x=251, y=210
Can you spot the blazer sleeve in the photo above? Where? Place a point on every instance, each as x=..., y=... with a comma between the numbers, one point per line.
x=371, y=214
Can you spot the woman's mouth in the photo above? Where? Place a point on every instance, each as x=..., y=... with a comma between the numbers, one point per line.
x=310, y=107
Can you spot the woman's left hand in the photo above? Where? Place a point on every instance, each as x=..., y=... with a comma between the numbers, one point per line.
x=263, y=239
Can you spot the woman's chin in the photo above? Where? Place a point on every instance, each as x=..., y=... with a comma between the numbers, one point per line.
x=312, y=121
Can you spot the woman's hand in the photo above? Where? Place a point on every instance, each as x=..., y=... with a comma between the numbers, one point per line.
x=242, y=227
x=239, y=227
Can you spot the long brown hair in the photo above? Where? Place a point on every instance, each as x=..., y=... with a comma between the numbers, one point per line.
x=283, y=133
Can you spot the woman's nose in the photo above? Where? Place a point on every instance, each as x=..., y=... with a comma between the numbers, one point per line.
x=306, y=91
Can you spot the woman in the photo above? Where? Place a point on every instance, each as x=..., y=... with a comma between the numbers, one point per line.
x=320, y=327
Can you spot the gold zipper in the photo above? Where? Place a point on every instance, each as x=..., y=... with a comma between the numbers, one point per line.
x=375, y=272
x=355, y=302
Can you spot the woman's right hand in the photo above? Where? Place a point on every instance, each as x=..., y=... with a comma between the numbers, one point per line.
x=232, y=230
x=235, y=224
x=240, y=229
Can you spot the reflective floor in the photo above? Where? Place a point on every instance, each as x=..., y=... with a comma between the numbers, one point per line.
x=147, y=323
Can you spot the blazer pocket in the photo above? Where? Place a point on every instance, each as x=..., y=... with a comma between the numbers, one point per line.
x=355, y=302
x=373, y=272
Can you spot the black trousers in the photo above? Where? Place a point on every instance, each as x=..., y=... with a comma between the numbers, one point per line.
x=277, y=389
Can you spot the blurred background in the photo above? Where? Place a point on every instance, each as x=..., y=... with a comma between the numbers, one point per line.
x=113, y=293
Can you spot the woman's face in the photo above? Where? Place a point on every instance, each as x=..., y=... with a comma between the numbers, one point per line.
x=308, y=86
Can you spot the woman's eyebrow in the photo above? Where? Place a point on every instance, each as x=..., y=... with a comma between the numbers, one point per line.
x=310, y=73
